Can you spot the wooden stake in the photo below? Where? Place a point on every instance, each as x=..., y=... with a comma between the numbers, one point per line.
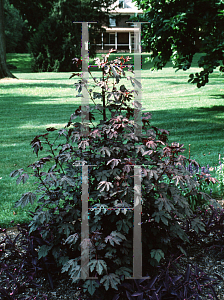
x=189, y=151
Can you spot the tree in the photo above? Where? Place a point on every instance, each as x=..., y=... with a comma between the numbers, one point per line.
x=178, y=29
x=4, y=71
x=13, y=28
x=34, y=12
x=58, y=40
x=37, y=11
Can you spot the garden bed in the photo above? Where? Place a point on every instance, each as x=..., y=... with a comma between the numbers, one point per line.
x=205, y=257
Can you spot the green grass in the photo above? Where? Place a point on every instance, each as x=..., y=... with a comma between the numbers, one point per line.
x=40, y=100
x=21, y=61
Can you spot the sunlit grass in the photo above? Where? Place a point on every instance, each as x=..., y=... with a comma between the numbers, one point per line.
x=40, y=100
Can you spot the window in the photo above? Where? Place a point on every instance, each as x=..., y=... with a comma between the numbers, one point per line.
x=112, y=22
x=121, y=3
x=129, y=4
x=112, y=38
x=126, y=4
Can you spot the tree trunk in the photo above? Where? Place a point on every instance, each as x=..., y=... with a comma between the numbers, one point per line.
x=4, y=71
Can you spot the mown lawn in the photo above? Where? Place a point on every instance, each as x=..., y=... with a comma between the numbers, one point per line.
x=40, y=100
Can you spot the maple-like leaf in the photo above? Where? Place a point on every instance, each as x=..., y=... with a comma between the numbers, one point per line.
x=110, y=279
x=105, y=184
x=158, y=254
x=114, y=162
x=99, y=265
x=115, y=237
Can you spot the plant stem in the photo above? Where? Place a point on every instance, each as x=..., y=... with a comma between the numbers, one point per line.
x=103, y=95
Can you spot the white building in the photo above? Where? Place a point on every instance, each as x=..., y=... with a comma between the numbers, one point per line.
x=120, y=35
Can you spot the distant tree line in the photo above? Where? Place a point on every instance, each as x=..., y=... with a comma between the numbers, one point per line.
x=45, y=29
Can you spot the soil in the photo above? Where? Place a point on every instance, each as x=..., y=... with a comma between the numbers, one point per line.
x=212, y=264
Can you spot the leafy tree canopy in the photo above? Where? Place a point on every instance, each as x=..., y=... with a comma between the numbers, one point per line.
x=36, y=11
x=33, y=11
x=58, y=40
x=14, y=26
x=178, y=29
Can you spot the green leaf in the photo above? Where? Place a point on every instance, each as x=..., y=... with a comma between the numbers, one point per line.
x=164, y=220
x=65, y=228
x=70, y=263
x=26, y=199
x=74, y=270
x=92, y=264
x=125, y=226
x=97, y=208
x=72, y=238
x=115, y=237
x=110, y=279
x=160, y=203
x=161, y=215
x=42, y=217
x=119, y=225
x=197, y=225
x=99, y=265
x=97, y=95
x=157, y=254
x=182, y=250
x=127, y=272
x=111, y=252
x=70, y=181
x=75, y=273
x=63, y=259
x=91, y=285
x=56, y=251
x=168, y=205
x=177, y=231
x=43, y=251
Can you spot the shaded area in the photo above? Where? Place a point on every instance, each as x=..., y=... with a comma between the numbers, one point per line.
x=215, y=108
x=23, y=61
x=26, y=113
x=197, y=126
x=218, y=96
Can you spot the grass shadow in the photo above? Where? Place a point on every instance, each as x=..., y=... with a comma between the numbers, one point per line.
x=214, y=108
x=218, y=96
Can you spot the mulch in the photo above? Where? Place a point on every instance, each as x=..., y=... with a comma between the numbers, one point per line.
x=64, y=289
